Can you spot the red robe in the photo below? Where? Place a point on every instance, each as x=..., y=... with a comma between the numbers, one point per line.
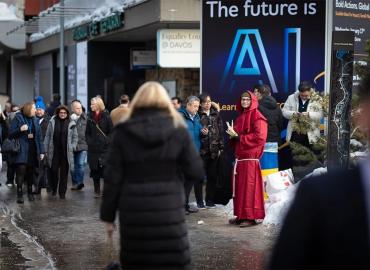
x=251, y=127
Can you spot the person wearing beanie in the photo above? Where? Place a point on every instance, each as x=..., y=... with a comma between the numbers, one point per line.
x=39, y=103
x=43, y=171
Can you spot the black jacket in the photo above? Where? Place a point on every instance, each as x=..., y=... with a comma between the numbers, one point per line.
x=98, y=139
x=44, y=125
x=214, y=141
x=147, y=162
x=270, y=110
x=327, y=225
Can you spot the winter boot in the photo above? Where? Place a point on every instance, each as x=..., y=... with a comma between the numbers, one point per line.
x=20, y=194
x=97, y=188
x=31, y=198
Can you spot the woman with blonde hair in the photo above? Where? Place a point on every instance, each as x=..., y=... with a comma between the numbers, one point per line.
x=26, y=130
x=150, y=156
x=98, y=129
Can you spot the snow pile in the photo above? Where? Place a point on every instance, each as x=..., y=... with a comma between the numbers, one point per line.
x=317, y=172
x=356, y=143
x=278, y=206
x=104, y=9
x=7, y=13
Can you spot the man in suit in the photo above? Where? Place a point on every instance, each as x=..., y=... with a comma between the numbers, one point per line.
x=328, y=224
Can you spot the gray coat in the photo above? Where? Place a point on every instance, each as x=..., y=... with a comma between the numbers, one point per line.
x=81, y=130
x=71, y=142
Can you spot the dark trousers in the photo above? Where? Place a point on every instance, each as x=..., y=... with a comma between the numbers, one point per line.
x=59, y=174
x=10, y=173
x=24, y=174
x=210, y=166
x=198, y=190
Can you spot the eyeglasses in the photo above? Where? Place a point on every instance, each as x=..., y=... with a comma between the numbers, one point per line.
x=62, y=113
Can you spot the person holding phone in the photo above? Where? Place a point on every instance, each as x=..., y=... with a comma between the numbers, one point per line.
x=212, y=144
x=300, y=104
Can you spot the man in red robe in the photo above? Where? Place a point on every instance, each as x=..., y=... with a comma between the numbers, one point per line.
x=248, y=138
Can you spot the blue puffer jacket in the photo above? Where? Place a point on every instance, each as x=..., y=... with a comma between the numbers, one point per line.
x=16, y=133
x=194, y=127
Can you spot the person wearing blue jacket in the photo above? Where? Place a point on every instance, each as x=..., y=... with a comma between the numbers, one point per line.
x=26, y=129
x=196, y=130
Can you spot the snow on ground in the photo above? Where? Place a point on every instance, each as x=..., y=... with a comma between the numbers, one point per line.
x=104, y=9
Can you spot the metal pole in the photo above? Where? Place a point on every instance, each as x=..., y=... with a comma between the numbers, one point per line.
x=61, y=55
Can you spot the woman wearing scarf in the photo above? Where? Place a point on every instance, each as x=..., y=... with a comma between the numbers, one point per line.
x=60, y=142
x=25, y=128
x=98, y=129
x=248, y=138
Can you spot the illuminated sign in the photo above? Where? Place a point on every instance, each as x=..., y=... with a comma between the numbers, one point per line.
x=94, y=29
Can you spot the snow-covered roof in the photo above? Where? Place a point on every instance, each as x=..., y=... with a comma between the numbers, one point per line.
x=103, y=10
x=7, y=13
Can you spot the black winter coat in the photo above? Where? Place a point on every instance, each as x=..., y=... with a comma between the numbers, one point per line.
x=147, y=163
x=270, y=110
x=97, y=141
x=44, y=125
x=214, y=141
x=326, y=226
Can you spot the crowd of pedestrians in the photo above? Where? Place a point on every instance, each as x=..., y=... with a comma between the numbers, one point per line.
x=151, y=152
x=42, y=145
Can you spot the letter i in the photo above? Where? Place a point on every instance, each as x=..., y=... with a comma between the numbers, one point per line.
x=305, y=9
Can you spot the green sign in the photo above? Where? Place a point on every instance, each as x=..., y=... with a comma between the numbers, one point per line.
x=94, y=29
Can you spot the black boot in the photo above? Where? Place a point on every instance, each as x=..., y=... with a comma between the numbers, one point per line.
x=97, y=188
x=31, y=198
x=20, y=194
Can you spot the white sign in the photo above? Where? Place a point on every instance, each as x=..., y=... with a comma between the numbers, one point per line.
x=82, y=73
x=178, y=48
x=143, y=59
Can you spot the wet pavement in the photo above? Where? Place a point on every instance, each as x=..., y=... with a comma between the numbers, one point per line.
x=51, y=233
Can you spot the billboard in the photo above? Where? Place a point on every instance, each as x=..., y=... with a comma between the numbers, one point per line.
x=247, y=42
x=354, y=16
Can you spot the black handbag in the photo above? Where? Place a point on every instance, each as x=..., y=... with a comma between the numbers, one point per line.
x=11, y=146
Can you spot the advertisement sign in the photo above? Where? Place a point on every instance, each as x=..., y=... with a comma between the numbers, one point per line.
x=276, y=42
x=143, y=59
x=81, y=64
x=354, y=16
x=178, y=48
x=340, y=100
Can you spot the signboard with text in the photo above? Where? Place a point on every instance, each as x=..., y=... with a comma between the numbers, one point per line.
x=178, y=48
x=354, y=16
x=275, y=42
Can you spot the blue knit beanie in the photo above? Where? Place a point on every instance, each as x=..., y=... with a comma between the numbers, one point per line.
x=39, y=102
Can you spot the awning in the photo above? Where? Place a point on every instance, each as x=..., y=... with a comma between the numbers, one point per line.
x=15, y=40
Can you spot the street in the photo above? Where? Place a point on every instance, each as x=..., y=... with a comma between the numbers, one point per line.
x=50, y=233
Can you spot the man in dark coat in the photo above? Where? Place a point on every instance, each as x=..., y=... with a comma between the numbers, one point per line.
x=54, y=105
x=271, y=111
x=327, y=227
x=43, y=171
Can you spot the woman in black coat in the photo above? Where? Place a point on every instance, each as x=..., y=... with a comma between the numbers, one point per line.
x=98, y=129
x=212, y=144
x=150, y=156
